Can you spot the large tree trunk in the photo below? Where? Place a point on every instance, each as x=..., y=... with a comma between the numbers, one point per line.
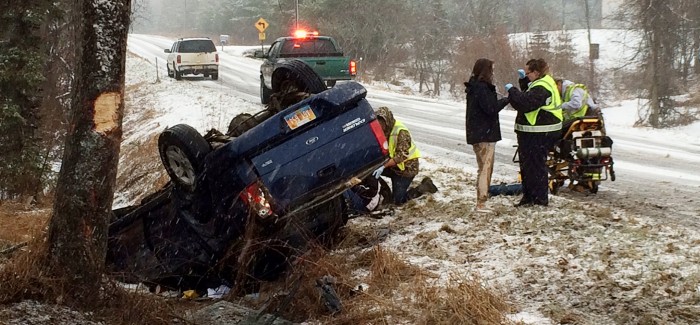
x=78, y=229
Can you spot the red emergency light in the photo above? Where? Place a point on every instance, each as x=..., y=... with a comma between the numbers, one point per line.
x=300, y=33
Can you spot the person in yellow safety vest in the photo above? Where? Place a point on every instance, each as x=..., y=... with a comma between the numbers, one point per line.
x=402, y=166
x=576, y=103
x=538, y=125
x=576, y=100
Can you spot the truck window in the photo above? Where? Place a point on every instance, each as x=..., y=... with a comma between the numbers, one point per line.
x=273, y=49
x=197, y=46
x=308, y=47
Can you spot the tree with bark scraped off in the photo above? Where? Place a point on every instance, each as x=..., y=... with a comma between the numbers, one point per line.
x=77, y=239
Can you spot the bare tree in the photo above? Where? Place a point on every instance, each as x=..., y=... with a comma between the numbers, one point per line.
x=77, y=235
x=663, y=37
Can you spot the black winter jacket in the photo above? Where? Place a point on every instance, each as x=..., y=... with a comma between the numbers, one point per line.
x=482, y=112
x=530, y=100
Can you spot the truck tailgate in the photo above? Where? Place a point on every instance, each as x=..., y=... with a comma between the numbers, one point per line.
x=330, y=67
x=343, y=142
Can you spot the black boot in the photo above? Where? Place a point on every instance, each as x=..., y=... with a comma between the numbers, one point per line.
x=427, y=186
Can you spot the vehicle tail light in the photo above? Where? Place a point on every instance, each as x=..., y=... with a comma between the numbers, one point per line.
x=257, y=198
x=605, y=160
x=216, y=56
x=353, y=67
x=379, y=134
x=179, y=59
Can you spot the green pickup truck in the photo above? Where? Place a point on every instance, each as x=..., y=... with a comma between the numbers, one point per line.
x=321, y=53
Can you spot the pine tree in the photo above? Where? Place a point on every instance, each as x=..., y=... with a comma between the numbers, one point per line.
x=539, y=47
x=22, y=58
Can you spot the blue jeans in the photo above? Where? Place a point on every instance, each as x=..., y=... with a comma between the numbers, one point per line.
x=399, y=185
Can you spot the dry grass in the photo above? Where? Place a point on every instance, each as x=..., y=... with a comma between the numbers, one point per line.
x=24, y=275
x=137, y=166
x=21, y=223
x=24, y=278
x=376, y=286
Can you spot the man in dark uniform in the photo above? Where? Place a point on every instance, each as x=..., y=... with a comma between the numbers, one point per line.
x=538, y=126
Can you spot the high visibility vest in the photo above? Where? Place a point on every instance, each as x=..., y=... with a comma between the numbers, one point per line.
x=553, y=106
x=584, y=102
x=413, y=152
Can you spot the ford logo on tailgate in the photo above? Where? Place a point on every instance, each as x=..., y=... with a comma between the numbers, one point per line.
x=311, y=141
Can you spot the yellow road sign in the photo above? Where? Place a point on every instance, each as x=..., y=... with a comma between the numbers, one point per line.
x=261, y=24
x=261, y=36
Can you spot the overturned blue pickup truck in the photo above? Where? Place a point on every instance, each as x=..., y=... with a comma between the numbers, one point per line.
x=241, y=205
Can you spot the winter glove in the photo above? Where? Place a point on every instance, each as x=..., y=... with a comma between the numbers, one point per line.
x=508, y=87
x=378, y=173
x=521, y=73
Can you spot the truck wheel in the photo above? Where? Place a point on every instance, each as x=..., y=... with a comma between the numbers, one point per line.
x=295, y=75
x=330, y=83
x=215, y=76
x=170, y=73
x=177, y=74
x=264, y=92
x=241, y=123
x=182, y=150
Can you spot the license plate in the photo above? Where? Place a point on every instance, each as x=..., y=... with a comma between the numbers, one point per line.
x=300, y=117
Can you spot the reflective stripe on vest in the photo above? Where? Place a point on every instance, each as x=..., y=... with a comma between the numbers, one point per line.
x=413, y=152
x=553, y=106
x=584, y=102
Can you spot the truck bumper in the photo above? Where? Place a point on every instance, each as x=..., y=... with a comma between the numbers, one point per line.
x=198, y=69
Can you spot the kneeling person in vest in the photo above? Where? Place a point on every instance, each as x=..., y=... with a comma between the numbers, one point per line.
x=402, y=166
x=538, y=125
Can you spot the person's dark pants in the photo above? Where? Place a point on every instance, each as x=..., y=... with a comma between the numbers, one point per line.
x=532, y=149
x=399, y=185
x=355, y=203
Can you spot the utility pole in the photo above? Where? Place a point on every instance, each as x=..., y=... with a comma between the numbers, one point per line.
x=563, y=15
x=591, y=64
x=296, y=19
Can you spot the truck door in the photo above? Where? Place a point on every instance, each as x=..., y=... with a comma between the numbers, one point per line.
x=268, y=65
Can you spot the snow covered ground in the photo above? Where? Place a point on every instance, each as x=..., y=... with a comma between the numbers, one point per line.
x=581, y=259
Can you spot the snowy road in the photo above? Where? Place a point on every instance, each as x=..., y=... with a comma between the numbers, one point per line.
x=655, y=175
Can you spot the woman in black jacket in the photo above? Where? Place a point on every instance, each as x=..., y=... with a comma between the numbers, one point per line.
x=483, y=128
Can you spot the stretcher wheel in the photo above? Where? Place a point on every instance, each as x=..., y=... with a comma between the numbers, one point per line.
x=554, y=185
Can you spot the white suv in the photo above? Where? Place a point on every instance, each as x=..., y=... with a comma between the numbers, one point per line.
x=193, y=56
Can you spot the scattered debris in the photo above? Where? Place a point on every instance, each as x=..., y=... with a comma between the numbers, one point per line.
x=330, y=297
x=226, y=313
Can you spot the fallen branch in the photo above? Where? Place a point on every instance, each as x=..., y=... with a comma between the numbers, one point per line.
x=10, y=250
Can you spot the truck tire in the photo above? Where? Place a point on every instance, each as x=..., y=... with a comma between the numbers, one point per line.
x=298, y=75
x=182, y=150
x=177, y=74
x=215, y=75
x=264, y=92
x=170, y=73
